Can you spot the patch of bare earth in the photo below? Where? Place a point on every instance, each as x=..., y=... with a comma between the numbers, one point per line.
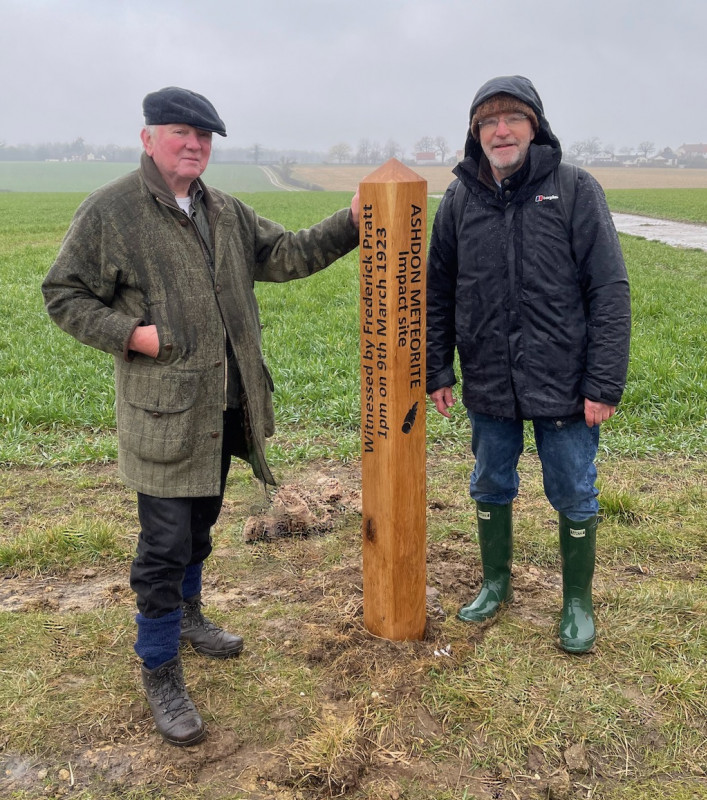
x=346, y=177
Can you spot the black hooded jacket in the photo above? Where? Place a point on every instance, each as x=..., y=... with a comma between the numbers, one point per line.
x=538, y=310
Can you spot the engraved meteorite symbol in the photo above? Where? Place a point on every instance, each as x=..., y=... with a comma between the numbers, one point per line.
x=410, y=419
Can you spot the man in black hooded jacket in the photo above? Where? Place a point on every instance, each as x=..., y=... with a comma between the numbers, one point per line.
x=531, y=288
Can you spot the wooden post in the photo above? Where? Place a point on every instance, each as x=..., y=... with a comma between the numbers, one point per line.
x=393, y=241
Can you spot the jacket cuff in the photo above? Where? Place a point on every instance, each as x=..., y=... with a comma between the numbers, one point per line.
x=351, y=229
x=593, y=391
x=129, y=355
x=441, y=379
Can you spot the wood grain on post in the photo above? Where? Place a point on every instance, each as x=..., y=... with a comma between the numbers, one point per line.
x=393, y=236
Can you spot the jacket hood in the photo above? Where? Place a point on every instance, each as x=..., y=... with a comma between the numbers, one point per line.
x=523, y=89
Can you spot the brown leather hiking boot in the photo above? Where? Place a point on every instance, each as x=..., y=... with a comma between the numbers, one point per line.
x=176, y=717
x=204, y=635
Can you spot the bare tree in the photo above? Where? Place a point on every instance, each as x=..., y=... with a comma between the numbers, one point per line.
x=425, y=145
x=363, y=154
x=577, y=150
x=646, y=148
x=592, y=147
x=256, y=151
x=340, y=152
x=77, y=148
x=441, y=147
x=392, y=149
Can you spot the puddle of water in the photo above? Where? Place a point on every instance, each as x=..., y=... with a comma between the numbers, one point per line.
x=677, y=234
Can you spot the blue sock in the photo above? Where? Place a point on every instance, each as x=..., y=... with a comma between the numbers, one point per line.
x=158, y=639
x=191, y=585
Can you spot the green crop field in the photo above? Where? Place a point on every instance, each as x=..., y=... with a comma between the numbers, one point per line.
x=684, y=205
x=316, y=706
x=41, y=364
x=83, y=176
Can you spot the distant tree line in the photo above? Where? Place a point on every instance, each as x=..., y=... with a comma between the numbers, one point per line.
x=367, y=152
x=79, y=150
x=429, y=149
x=372, y=152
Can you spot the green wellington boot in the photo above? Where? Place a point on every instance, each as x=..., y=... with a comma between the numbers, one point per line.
x=578, y=546
x=496, y=543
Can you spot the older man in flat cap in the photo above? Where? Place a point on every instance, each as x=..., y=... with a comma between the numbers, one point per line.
x=158, y=269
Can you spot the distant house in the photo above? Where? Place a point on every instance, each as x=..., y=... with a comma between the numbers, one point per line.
x=602, y=159
x=626, y=159
x=426, y=158
x=666, y=158
x=692, y=150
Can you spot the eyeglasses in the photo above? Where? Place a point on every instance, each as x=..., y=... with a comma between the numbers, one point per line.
x=511, y=120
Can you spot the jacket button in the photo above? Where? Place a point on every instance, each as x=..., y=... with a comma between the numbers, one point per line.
x=156, y=413
x=168, y=348
x=214, y=434
x=184, y=222
x=218, y=364
x=218, y=288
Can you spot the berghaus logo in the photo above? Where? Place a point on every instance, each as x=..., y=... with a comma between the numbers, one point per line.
x=541, y=198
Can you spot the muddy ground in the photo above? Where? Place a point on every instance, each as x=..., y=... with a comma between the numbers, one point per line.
x=128, y=754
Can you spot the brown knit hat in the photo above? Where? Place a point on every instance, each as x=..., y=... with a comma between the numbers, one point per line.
x=501, y=103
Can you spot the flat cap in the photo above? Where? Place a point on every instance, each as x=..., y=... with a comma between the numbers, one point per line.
x=173, y=105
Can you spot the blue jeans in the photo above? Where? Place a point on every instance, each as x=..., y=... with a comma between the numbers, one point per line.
x=566, y=447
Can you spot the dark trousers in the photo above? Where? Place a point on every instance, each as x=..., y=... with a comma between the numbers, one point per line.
x=175, y=532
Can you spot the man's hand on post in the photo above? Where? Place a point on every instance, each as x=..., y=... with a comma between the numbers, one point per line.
x=596, y=413
x=443, y=400
x=355, y=208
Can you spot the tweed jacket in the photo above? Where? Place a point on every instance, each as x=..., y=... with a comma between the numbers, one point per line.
x=132, y=257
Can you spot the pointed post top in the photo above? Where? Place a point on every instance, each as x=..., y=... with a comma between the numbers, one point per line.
x=393, y=171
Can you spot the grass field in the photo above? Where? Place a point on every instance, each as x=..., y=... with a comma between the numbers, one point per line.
x=686, y=205
x=86, y=176
x=316, y=706
x=20, y=176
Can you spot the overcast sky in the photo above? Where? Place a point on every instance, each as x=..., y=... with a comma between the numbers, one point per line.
x=307, y=74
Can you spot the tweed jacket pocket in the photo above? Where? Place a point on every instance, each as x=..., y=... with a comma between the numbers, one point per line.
x=159, y=415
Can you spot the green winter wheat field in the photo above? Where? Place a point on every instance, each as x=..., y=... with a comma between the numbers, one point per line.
x=316, y=706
